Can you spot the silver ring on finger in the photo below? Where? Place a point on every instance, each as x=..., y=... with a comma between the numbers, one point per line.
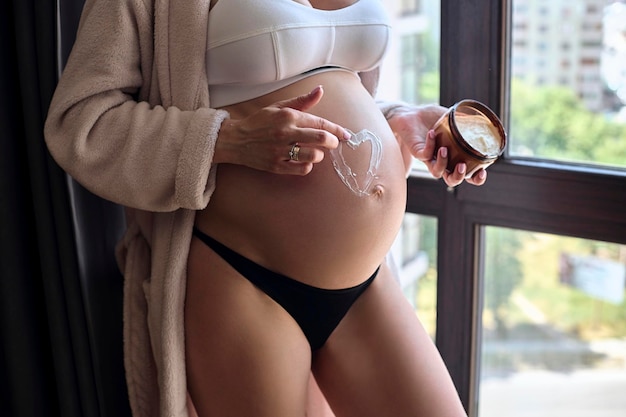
x=294, y=152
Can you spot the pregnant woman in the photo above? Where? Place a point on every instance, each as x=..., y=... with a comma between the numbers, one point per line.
x=264, y=188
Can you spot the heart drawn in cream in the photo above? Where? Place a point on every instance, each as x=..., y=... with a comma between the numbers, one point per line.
x=358, y=182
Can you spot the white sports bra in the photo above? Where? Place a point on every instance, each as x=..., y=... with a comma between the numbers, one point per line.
x=258, y=46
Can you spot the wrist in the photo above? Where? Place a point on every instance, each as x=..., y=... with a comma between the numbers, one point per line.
x=390, y=108
x=225, y=143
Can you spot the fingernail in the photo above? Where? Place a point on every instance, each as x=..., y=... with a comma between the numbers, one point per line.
x=461, y=168
x=482, y=174
x=347, y=135
x=443, y=152
x=315, y=90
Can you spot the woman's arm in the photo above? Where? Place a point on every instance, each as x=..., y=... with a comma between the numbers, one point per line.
x=412, y=126
x=104, y=133
x=102, y=129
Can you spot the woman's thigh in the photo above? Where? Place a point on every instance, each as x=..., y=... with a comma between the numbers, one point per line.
x=381, y=362
x=245, y=355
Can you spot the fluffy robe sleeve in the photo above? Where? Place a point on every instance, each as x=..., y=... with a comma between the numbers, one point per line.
x=110, y=126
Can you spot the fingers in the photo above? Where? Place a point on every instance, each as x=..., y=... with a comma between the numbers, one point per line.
x=326, y=135
x=299, y=160
x=303, y=102
x=478, y=178
x=438, y=163
x=264, y=139
x=314, y=129
x=414, y=128
x=454, y=178
x=288, y=126
x=435, y=159
x=425, y=150
x=295, y=168
x=285, y=159
x=300, y=154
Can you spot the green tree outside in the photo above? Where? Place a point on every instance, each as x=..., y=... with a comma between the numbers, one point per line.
x=551, y=122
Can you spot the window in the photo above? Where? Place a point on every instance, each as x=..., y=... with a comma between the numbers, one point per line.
x=411, y=67
x=409, y=7
x=415, y=256
x=553, y=333
x=411, y=73
x=560, y=118
x=543, y=191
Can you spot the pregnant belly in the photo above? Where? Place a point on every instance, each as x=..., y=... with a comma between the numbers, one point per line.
x=315, y=228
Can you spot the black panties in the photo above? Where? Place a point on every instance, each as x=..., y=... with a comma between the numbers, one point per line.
x=317, y=311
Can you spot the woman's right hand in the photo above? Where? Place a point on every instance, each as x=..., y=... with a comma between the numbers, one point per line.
x=264, y=139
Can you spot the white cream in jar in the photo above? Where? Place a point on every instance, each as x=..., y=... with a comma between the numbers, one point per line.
x=480, y=133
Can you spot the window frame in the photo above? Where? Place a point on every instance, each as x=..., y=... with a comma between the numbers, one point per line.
x=533, y=195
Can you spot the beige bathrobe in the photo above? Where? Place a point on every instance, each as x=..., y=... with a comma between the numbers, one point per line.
x=130, y=120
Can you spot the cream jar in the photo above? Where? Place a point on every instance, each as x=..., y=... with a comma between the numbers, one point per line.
x=472, y=133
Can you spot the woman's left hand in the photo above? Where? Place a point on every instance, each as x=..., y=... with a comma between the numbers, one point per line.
x=412, y=125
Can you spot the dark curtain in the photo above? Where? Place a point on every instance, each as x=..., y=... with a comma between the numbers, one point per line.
x=60, y=290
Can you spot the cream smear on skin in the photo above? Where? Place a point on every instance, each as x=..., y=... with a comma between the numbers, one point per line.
x=359, y=183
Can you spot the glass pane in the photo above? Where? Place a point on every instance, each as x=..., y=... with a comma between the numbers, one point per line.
x=415, y=257
x=410, y=71
x=553, y=326
x=568, y=81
